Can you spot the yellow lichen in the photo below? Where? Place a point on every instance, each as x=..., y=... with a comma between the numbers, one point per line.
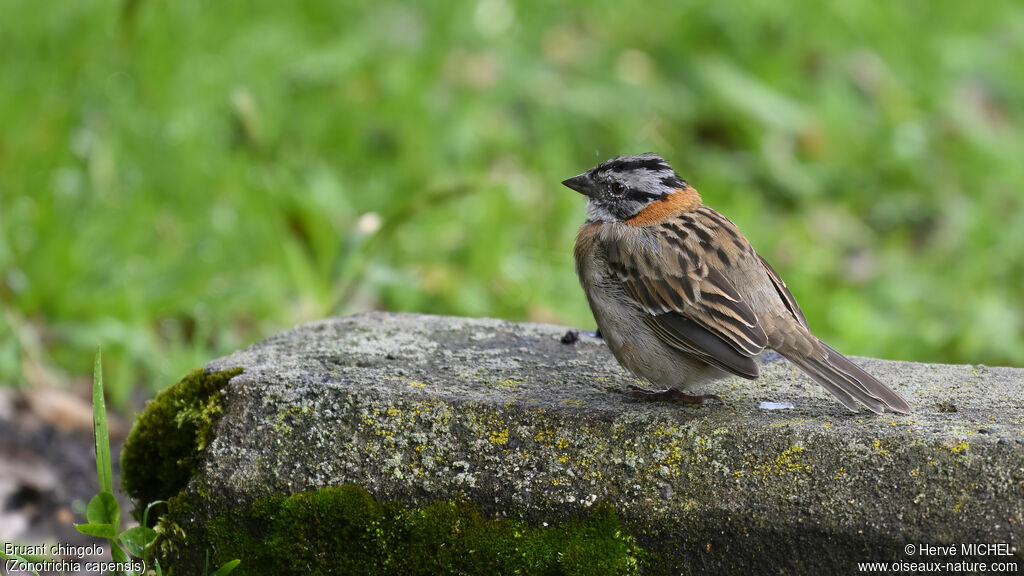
x=961, y=447
x=787, y=461
x=879, y=450
x=661, y=430
x=499, y=437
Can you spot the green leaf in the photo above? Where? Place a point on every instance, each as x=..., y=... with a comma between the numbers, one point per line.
x=98, y=530
x=226, y=568
x=117, y=554
x=16, y=558
x=137, y=540
x=101, y=437
x=103, y=509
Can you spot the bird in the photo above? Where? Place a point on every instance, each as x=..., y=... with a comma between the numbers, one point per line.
x=681, y=297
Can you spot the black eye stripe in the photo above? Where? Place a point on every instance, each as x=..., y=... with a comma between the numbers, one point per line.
x=644, y=196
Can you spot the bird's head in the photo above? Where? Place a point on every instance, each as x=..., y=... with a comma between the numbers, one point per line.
x=620, y=188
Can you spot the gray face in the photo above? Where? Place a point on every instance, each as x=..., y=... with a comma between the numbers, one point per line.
x=620, y=188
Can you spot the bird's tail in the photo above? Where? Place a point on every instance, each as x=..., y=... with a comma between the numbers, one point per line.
x=845, y=380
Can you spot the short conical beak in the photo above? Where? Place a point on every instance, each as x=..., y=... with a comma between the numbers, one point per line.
x=580, y=184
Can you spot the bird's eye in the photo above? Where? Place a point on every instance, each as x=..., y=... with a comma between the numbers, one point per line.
x=618, y=189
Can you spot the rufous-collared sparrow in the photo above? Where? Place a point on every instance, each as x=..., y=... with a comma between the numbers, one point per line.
x=681, y=297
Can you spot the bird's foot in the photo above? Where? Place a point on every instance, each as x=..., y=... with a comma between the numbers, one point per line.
x=670, y=395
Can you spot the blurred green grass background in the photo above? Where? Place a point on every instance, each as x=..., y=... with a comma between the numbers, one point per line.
x=179, y=179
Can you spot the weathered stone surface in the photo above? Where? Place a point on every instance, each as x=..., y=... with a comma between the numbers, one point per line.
x=418, y=408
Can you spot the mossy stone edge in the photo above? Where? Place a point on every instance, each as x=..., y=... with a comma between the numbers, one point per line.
x=166, y=443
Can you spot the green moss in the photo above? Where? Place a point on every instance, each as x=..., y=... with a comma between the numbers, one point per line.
x=163, y=448
x=344, y=530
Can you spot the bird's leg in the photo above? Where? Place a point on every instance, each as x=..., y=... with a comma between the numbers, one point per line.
x=670, y=395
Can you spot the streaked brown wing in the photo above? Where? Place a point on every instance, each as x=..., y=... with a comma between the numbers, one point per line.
x=692, y=306
x=784, y=293
x=684, y=334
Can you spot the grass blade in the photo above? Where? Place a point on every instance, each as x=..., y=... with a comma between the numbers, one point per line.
x=227, y=568
x=101, y=437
